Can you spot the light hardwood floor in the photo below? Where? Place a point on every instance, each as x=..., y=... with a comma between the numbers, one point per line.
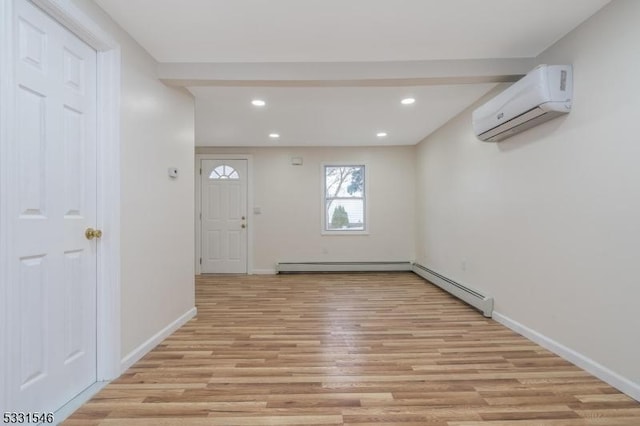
x=353, y=349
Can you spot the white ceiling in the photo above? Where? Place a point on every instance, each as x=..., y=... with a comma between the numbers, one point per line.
x=346, y=30
x=326, y=116
x=241, y=33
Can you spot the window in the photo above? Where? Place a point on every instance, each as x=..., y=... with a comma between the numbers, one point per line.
x=344, y=198
x=224, y=172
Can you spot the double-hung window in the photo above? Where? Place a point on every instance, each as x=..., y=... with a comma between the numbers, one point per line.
x=344, y=199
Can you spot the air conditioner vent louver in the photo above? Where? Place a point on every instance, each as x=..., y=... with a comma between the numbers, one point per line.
x=541, y=95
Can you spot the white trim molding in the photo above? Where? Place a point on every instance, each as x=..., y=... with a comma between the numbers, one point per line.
x=600, y=371
x=264, y=272
x=398, y=266
x=83, y=397
x=136, y=354
x=109, y=328
x=73, y=19
x=6, y=179
x=198, y=203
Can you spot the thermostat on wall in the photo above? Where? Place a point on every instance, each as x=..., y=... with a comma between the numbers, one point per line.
x=173, y=172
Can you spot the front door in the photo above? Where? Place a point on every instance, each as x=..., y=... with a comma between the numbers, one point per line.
x=52, y=270
x=224, y=216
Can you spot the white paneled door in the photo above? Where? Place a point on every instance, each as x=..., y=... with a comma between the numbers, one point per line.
x=224, y=216
x=53, y=264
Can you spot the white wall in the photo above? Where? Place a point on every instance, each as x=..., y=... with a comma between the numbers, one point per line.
x=548, y=222
x=288, y=230
x=157, y=240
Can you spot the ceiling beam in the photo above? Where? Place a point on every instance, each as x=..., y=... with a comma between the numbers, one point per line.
x=345, y=74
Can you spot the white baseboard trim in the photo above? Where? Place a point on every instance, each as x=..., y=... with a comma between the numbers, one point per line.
x=600, y=371
x=136, y=354
x=263, y=272
x=344, y=266
x=78, y=401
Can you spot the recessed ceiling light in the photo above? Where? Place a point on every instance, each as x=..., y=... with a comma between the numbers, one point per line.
x=274, y=135
x=407, y=101
x=381, y=134
x=258, y=102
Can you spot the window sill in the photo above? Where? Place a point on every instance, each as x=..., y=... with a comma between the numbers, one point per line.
x=343, y=233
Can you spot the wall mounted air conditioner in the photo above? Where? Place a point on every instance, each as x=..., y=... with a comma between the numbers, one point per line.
x=544, y=93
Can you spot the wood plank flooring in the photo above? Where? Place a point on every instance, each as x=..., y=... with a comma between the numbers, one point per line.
x=349, y=349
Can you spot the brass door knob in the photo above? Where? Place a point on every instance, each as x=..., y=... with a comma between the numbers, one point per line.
x=91, y=233
x=244, y=226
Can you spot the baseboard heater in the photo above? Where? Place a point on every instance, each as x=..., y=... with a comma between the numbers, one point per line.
x=472, y=297
x=288, y=267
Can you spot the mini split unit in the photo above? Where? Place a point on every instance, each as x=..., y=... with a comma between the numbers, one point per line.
x=542, y=94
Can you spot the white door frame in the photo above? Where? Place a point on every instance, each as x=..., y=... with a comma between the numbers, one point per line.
x=198, y=211
x=108, y=176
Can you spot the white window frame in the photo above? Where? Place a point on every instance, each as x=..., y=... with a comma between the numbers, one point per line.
x=323, y=202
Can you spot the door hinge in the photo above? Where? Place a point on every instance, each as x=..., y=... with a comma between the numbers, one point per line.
x=200, y=215
x=200, y=171
x=201, y=261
